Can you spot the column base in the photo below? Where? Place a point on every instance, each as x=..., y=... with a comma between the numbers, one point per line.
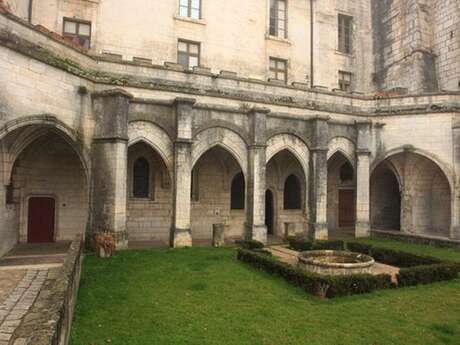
x=320, y=231
x=257, y=233
x=181, y=238
x=455, y=233
x=362, y=230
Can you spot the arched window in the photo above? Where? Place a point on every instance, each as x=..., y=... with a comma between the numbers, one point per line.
x=237, y=192
x=346, y=173
x=141, y=178
x=292, y=199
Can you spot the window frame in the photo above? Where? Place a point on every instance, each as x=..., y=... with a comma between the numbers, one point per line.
x=276, y=19
x=189, y=54
x=190, y=8
x=345, y=33
x=150, y=185
x=343, y=81
x=277, y=70
x=296, y=203
x=78, y=22
x=238, y=201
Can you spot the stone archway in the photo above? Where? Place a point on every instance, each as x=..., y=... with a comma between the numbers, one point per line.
x=213, y=174
x=283, y=172
x=425, y=195
x=341, y=193
x=44, y=165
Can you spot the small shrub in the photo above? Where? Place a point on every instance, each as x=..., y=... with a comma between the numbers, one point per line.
x=427, y=274
x=250, y=244
x=301, y=245
x=359, y=247
x=328, y=245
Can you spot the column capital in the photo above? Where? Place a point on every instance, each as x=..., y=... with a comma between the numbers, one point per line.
x=363, y=152
x=184, y=100
x=112, y=93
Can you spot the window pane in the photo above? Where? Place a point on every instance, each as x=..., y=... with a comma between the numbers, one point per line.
x=195, y=14
x=193, y=61
x=183, y=11
x=182, y=46
x=184, y=3
x=84, y=29
x=194, y=48
x=182, y=59
x=272, y=63
x=196, y=4
x=70, y=27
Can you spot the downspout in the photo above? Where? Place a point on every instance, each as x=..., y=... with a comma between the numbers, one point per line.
x=312, y=71
x=29, y=13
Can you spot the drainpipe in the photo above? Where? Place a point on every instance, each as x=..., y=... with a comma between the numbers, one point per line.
x=312, y=71
x=29, y=13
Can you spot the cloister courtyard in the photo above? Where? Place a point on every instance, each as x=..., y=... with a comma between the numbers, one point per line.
x=205, y=296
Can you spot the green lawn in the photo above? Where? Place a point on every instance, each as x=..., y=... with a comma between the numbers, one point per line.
x=205, y=296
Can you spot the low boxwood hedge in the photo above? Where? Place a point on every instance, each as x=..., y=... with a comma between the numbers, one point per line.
x=414, y=269
x=318, y=285
x=427, y=274
x=303, y=245
x=392, y=257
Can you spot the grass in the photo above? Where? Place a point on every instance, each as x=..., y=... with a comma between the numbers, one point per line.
x=204, y=296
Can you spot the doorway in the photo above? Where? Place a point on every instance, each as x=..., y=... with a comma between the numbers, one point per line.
x=269, y=212
x=41, y=220
x=346, y=208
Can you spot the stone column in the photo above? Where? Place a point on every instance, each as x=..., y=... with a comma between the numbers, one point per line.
x=455, y=194
x=362, y=226
x=318, y=179
x=256, y=184
x=181, y=234
x=109, y=163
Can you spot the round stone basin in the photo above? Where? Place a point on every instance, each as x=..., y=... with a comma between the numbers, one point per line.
x=332, y=262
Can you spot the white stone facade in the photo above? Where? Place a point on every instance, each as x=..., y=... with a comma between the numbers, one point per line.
x=73, y=123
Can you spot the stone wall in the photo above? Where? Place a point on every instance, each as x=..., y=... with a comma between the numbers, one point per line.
x=49, y=320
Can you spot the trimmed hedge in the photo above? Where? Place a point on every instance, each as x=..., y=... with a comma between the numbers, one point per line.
x=427, y=274
x=392, y=257
x=414, y=269
x=318, y=285
x=303, y=245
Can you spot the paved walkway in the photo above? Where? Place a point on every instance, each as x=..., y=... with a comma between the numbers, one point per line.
x=290, y=256
x=19, y=302
x=22, y=274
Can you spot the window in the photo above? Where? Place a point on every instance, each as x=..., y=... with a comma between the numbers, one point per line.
x=292, y=193
x=195, y=187
x=345, y=33
x=278, y=69
x=345, y=81
x=237, y=192
x=188, y=53
x=346, y=173
x=190, y=8
x=141, y=178
x=278, y=18
x=77, y=31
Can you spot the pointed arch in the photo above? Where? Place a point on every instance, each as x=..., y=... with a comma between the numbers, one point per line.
x=224, y=138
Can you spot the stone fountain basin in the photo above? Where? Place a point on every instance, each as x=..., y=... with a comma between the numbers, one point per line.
x=332, y=262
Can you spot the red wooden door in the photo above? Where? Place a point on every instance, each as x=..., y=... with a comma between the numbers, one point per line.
x=41, y=220
x=346, y=208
